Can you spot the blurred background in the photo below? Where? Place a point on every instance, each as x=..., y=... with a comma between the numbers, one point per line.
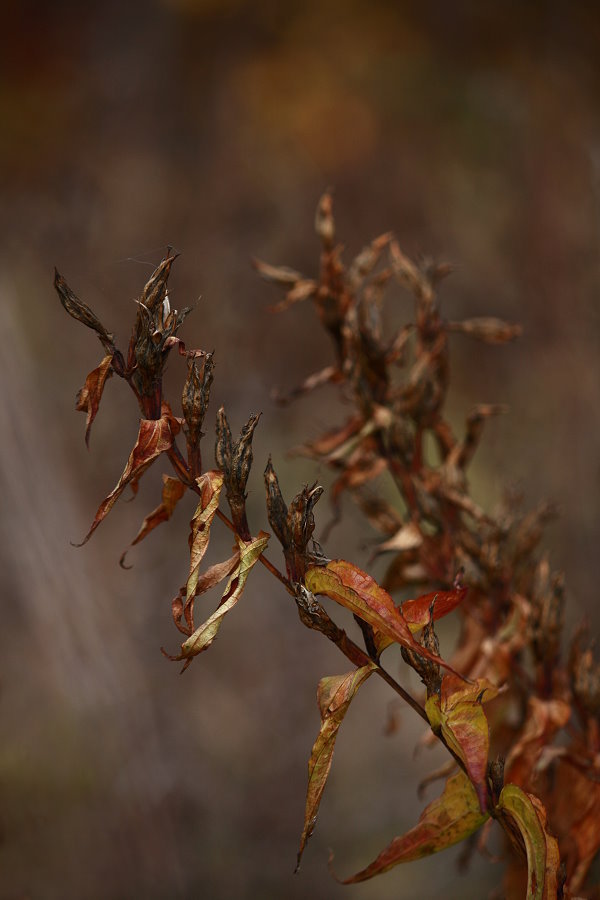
x=470, y=130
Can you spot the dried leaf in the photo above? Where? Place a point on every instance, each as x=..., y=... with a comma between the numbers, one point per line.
x=155, y=437
x=446, y=821
x=458, y=714
x=80, y=311
x=354, y=589
x=210, y=485
x=173, y=490
x=88, y=398
x=278, y=274
x=488, y=329
x=334, y=696
x=524, y=818
x=203, y=637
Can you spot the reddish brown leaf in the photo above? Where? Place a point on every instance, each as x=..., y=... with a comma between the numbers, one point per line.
x=88, y=398
x=458, y=714
x=436, y=605
x=334, y=695
x=210, y=484
x=203, y=637
x=446, y=821
x=173, y=490
x=354, y=589
x=155, y=437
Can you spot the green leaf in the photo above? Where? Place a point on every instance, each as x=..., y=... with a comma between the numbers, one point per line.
x=524, y=818
x=334, y=695
x=446, y=821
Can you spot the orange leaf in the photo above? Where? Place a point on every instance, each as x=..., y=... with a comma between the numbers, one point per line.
x=458, y=714
x=354, y=589
x=446, y=821
x=436, y=605
x=334, y=695
x=88, y=398
x=155, y=437
x=173, y=490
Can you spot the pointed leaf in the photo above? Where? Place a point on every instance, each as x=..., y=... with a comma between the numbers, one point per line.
x=357, y=591
x=334, y=695
x=155, y=437
x=88, y=398
x=458, y=714
x=210, y=484
x=207, y=580
x=173, y=490
x=524, y=815
x=436, y=605
x=203, y=637
x=446, y=821
x=488, y=329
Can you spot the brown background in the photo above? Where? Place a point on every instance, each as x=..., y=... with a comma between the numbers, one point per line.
x=472, y=130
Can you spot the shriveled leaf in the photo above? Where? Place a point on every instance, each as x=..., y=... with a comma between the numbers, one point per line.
x=210, y=484
x=172, y=492
x=279, y=274
x=488, y=329
x=408, y=537
x=458, y=714
x=334, y=695
x=446, y=821
x=155, y=437
x=524, y=818
x=88, y=398
x=357, y=591
x=79, y=310
x=203, y=637
x=207, y=580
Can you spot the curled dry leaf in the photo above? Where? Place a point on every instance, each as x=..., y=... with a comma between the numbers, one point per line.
x=210, y=485
x=357, y=591
x=88, y=398
x=155, y=437
x=172, y=492
x=446, y=821
x=205, y=634
x=458, y=714
x=334, y=695
x=524, y=818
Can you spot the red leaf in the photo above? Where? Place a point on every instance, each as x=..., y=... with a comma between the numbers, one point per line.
x=417, y=612
x=446, y=821
x=357, y=591
x=155, y=437
x=88, y=398
x=458, y=714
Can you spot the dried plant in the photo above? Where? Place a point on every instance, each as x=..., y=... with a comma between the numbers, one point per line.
x=516, y=708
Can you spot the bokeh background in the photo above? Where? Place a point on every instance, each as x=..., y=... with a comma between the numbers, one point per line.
x=472, y=131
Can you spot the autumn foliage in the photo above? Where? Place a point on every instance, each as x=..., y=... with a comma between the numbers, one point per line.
x=517, y=703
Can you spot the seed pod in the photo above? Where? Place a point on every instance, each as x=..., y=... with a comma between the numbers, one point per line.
x=235, y=461
x=294, y=526
x=196, y=394
x=427, y=670
x=80, y=311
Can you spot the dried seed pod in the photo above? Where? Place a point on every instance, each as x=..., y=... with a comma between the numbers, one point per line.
x=235, y=461
x=294, y=526
x=427, y=670
x=81, y=311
